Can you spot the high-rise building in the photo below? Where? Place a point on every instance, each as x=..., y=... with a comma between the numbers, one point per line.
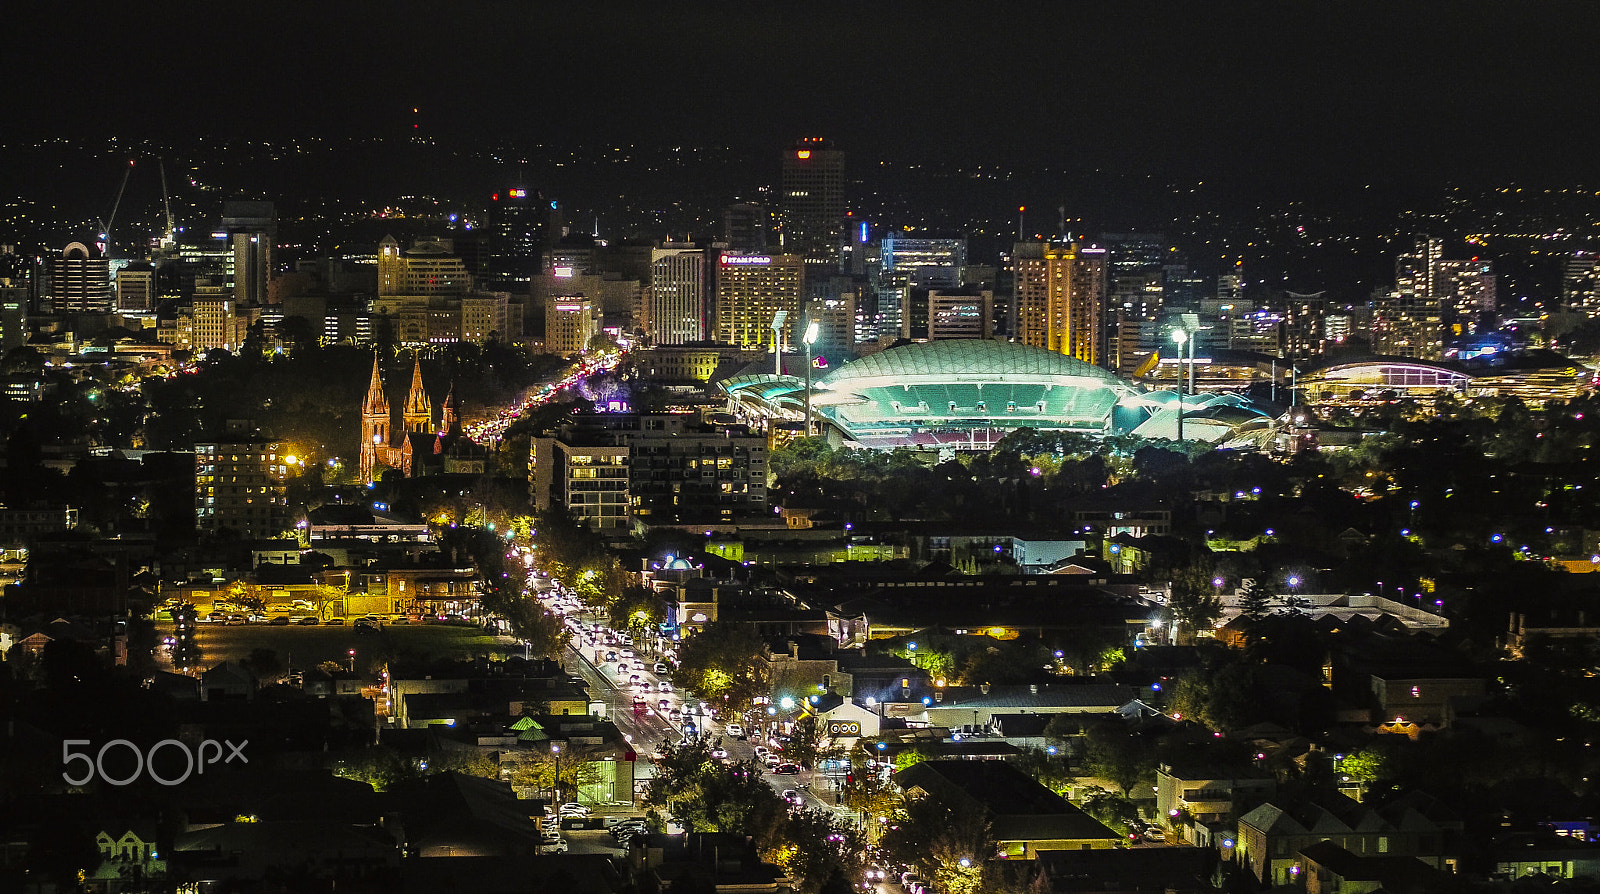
x=80, y=282
x=751, y=291
x=745, y=227
x=518, y=221
x=136, y=287
x=929, y=263
x=960, y=313
x=13, y=315
x=570, y=323
x=836, y=325
x=812, y=202
x=1467, y=289
x=1409, y=320
x=1060, y=297
x=677, y=294
x=1580, y=283
x=251, y=228
x=240, y=484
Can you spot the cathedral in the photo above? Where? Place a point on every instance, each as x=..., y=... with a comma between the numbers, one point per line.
x=417, y=446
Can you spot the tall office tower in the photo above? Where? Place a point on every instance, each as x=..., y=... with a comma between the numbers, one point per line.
x=426, y=269
x=960, y=313
x=677, y=294
x=1580, y=283
x=1230, y=285
x=1467, y=289
x=217, y=320
x=1408, y=320
x=570, y=323
x=1060, y=297
x=836, y=325
x=136, y=287
x=751, y=290
x=930, y=263
x=745, y=227
x=251, y=228
x=518, y=218
x=812, y=201
x=80, y=282
x=13, y=314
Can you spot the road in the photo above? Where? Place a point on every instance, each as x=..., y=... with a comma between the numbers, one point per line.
x=652, y=727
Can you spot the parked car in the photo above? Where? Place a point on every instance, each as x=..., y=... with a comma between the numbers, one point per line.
x=556, y=846
x=279, y=621
x=793, y=797
x=663, y=705
x=719, y=753
x=335, y=622
x=611, y=656
x=664, y=686
x=573, y=808
x=309, y=621
x=662, y=668
x=761, y=752
x=735, y=730
x=786, y=769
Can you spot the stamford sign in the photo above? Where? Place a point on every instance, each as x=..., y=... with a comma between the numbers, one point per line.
x=736, y=260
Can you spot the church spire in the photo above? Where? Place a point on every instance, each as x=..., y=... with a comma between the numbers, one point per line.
x=418, y=410
x=449, y=414
x=376, y=402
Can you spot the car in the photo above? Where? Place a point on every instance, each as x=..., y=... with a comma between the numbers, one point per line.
x=280, y=621
x=674, y=715
x=628, y=653
x=772, y=761
x=786, y=769
x=875, y=874
x=369, y=621
x=216, y=617
x=309, y=622
x=662, y=668
x=719, y=753
x=573, y=808
x=622, y=669
x=1155, y=834
x=735, y=730
x=793, y=797
x=634, y=680
x=335, y=622
x=664, y=686
x=611, y=656
x=761, y=752
x=642, y=685
x=557, y=846
x=367, y=629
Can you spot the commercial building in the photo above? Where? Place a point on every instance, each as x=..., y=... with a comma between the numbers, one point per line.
x=751, y=291
x=251, y=229
x=811, y=197
x=960, y=313
x=929, y=263
x=80, y=282
x=677, y=294
x=1060, y=297
x=1432, y=296
x=570, y=323
x=136, y=287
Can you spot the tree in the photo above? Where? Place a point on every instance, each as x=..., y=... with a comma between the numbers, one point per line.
x=1256, y=603
x=723, y=664
x=948, y=844
x=264, y=663
x=1121, y=757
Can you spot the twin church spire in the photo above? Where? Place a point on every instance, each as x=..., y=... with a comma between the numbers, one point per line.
x=381, y=444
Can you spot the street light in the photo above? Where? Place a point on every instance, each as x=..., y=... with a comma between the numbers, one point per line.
x=555, y=781
x=810, y=338
x=1180, y=337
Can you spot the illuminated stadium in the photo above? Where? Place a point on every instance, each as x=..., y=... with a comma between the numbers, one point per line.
x=968, y=393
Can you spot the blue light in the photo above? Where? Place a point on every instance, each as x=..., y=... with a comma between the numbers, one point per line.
x=863, y=231
x=552, y=205
x=1155, y=687
x=911, y=646
x=927, y=700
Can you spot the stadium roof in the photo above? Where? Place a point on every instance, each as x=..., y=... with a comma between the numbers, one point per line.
x=984, y=358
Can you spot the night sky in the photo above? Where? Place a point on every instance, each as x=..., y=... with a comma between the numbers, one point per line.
x=1288, y=91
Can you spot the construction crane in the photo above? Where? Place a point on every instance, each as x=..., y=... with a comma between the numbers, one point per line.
x=105, y=225
x=169, y=237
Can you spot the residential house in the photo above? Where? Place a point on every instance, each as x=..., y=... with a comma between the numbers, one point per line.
x=1025, y=818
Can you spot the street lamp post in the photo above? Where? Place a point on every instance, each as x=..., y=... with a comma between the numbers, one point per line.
x=1179, y=337
x=810, y=338
x=555, y=780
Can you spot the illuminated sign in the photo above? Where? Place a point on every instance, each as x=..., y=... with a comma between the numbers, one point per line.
x=563, y=272
x=516, y=193
x=803, y=153
x=569, y=308
x=737, y=260
x=819, y=362
x=844, y=728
